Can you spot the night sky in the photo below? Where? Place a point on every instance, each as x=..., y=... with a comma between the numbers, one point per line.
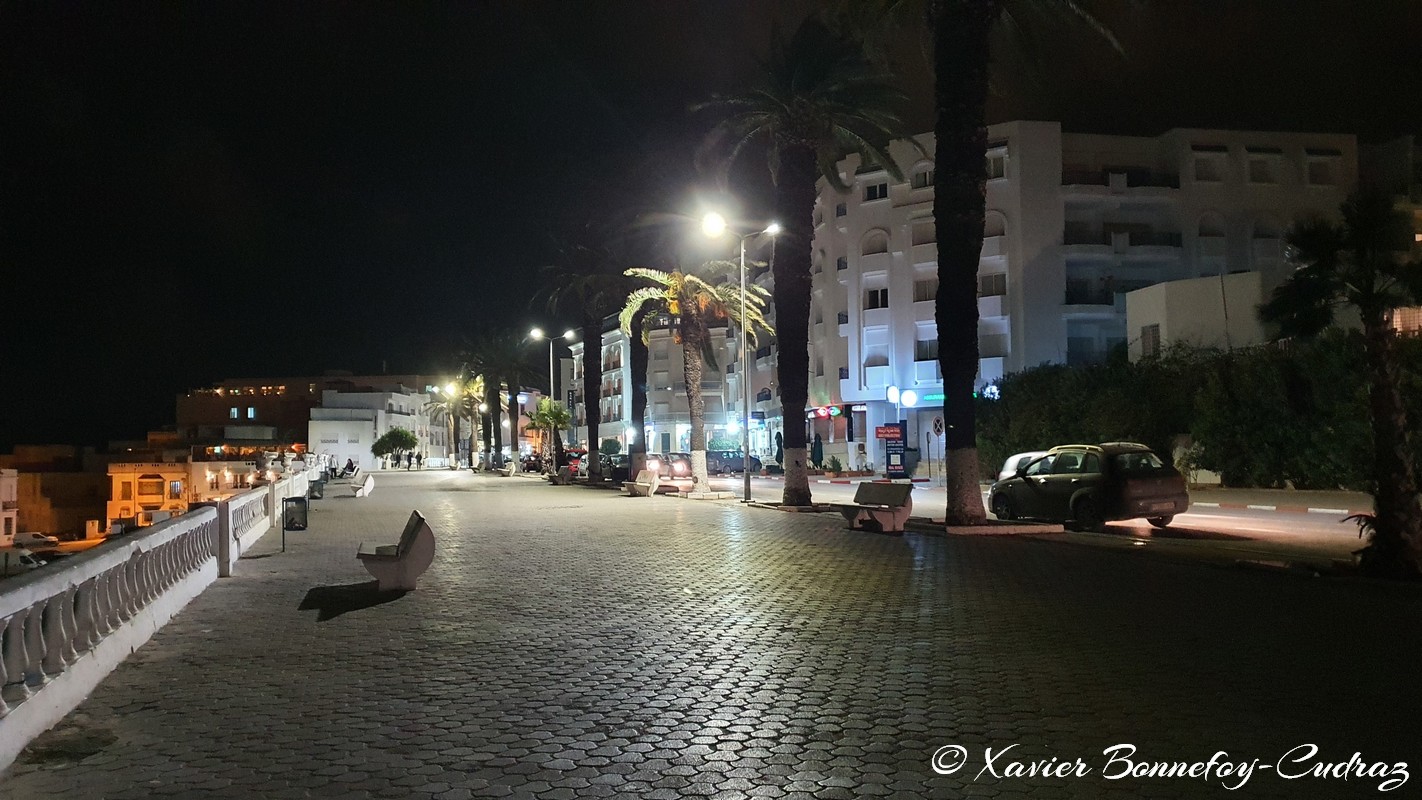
x=193, y=191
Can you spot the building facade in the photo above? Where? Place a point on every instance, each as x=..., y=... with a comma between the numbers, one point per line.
x=347, y=423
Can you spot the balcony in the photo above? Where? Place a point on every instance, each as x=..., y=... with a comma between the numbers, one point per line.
x=878, y=262
x=927, y=372
x=991, y=306
x=877, y=376
x=993, y=247
x=926, y=253
x=875, y=318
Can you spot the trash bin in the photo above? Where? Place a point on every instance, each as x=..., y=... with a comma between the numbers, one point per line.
x=317, y=490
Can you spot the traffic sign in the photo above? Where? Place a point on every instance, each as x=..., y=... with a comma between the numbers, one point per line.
x=937, y=426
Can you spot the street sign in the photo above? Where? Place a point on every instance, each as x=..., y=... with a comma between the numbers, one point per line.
x=892, y=431
x=937, y=426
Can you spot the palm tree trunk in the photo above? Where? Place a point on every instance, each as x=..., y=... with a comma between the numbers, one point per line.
x=486, y=428
x=592, y=391
x=496, y=457
x=692, y=337
x=795, y=206
x=960, y=47
x=1396, y=547
x=637, y=373
x=454, y=438
x=514, y=417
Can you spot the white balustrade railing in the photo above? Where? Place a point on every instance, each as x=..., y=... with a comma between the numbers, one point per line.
x=51, y=617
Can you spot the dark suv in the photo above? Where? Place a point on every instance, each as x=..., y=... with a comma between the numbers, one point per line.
x=719, y=462
x=1087, y=485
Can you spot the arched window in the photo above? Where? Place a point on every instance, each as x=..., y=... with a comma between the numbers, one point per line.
x=994, y=224
x=875, y=241
x=1212, y=224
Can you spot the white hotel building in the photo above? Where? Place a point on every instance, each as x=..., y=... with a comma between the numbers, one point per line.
x=1090, y=242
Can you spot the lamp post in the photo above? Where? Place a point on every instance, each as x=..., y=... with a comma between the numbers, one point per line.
x=714, y=225
x=537, y=335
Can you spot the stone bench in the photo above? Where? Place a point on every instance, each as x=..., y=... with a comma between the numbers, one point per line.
x=563, y=477
x=363, y=488
x=398, y=566
x=646, y=484
x=879, y=507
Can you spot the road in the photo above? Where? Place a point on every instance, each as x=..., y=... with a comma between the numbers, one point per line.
x=1241, y=534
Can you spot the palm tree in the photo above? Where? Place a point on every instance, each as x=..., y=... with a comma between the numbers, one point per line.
x=502, y=358
x=553, y=417
x=694, y=303
x=819, y=99
x=1359, y=264
x=455, y=402
x=587, y=281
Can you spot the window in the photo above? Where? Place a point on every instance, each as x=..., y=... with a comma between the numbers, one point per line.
x=923, y=179
x=1261, y=170
x=126, y=490
x=876, y=298
x=876, y=191
x=1042, y=466
x=1068, y=463
x=175, y=490
x=232, y=413
x=996, y=167
x=150, y=488
x=993, y=285
x=1150, y=340
x=840, y=210
x=213, y=481
x=925, y=289
x=353, y=438
x=841, y=263
x=1208, y=169
x=251, y=412
x=844, y=373
x=925, y=350
x=819, y=367
x=1320, y=173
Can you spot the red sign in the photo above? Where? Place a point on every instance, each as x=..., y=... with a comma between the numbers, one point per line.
x=889, y=432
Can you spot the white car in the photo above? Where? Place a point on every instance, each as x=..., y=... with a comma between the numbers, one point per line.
x=1018, y=461
x=14, y=561
x=35, y=540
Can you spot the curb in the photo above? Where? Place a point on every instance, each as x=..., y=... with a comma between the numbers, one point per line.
x=1280, y=509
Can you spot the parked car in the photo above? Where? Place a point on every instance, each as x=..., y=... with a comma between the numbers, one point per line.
x=1087, y=485
x=719, y=462
x=35, y=541
x=613, y=467
x=16, y=561
x=1014, y=462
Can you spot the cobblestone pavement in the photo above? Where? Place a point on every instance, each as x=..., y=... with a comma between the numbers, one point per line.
x=573, y=643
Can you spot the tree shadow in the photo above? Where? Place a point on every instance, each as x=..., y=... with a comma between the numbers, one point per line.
x=332, y=601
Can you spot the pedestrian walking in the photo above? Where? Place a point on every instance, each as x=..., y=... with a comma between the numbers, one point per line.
x=409, y=461
x=419, y=461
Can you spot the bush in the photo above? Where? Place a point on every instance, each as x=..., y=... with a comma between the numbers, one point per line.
x=835, y=465
x=610, y=447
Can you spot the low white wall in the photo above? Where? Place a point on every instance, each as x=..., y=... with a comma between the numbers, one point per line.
x=69, y=625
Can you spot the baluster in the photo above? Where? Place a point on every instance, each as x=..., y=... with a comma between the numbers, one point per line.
x=110, y=598
x=163, y=569
x=4, y=673
x=147, y=578
x=68, y=617
x=12, y=653
x=35, y=652
x=128, y=587
x=84, y=634
x=52, y=627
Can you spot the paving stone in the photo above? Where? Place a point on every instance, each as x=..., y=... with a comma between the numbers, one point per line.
x=570, y=643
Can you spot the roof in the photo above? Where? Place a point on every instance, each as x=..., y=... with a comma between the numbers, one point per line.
x=1109, y=448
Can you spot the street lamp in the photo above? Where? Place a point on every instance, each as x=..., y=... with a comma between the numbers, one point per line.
x=538, y=335
x=714, y=226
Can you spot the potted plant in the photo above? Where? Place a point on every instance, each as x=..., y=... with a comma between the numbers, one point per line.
x=834, y=468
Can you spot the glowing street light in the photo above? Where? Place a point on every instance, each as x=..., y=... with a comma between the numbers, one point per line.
x=714, y=225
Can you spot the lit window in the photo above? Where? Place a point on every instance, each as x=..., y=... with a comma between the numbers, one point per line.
x=876, y=298
x=996, y=167
x=251, y=412
x=232, y=413
x=923, y=179
x=876, y=191
x=175, y=490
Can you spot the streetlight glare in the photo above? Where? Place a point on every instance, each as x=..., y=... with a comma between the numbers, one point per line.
x=483, y=407
x=713, y=224
x=536, y=334
x=569, y=334
x=449, y=388
x=773, y=229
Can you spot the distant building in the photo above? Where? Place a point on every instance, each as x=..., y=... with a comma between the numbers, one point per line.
x=9, y=505
x=347, y=423
x=61, y=503
x=147, y=491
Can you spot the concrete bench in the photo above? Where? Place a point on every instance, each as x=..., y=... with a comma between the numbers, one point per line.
x=879, y=507
x=646, y=484
x=363, y=488
x=563, y=477
x=398, y=566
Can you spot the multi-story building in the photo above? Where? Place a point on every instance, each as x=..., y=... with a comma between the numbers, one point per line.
x=347, y=423
x=146, y=491
x=9, y=505
x=61, y=503
x=1074, y=222
x=275, y=409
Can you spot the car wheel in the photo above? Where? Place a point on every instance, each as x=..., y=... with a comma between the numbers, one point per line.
x=1087, y=516
x=1002, y=508
x=1162, y=522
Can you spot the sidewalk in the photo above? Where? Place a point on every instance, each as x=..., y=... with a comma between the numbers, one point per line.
x=570, y=644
